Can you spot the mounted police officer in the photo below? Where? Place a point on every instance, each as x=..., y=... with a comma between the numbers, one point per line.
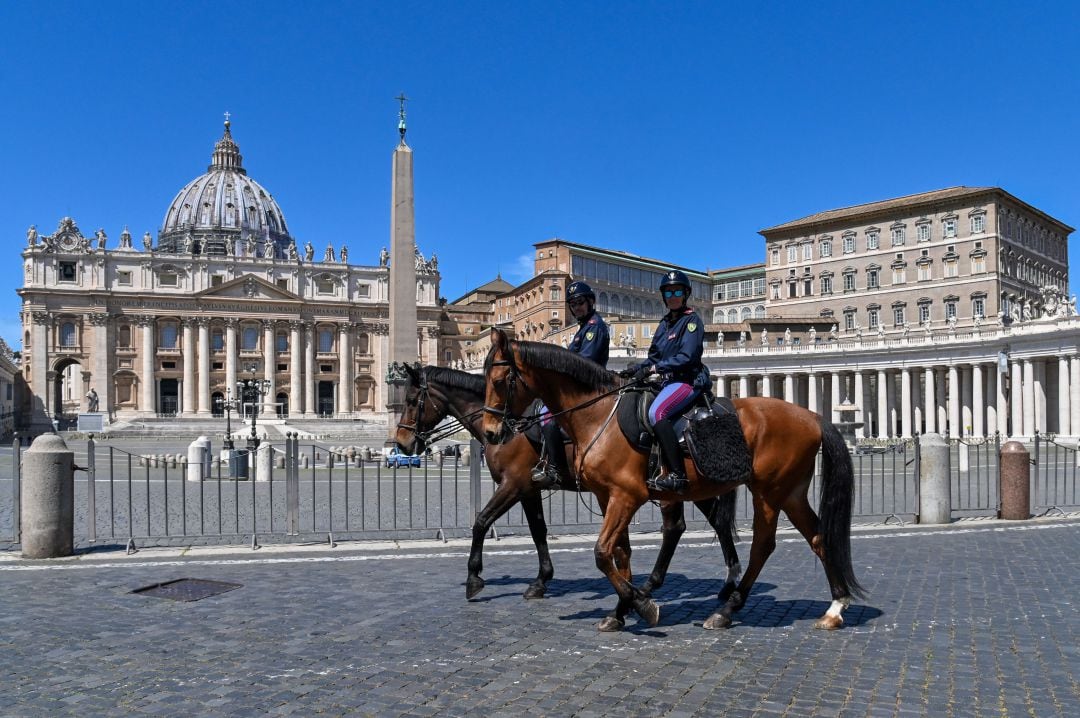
x=675, y=355
x=591, y=341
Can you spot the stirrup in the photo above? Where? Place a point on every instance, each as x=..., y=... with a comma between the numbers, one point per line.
x=672, y=481
x=546, y=476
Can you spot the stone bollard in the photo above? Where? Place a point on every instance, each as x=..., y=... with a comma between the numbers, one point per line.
x=143, y=461
x=279, y=461
x=437, y=457
x=466, y=456
x=935, y=495
x=47, y=503
x=1015, y=490
x=305, y=461
x=196, y=454
x=263, y=461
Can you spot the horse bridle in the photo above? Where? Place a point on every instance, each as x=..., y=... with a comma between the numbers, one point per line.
x=421, y=399
x=510, y=421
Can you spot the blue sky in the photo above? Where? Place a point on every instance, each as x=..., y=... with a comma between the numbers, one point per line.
x=670, y=129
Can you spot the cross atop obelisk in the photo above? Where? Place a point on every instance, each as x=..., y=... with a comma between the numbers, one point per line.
x=401, y=116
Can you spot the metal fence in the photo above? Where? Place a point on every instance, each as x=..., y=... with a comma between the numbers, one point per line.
x=1054, y=486
x=313, y=492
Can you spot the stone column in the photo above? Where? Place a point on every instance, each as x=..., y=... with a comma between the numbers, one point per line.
x=102, y=372
x=1016, y=400
x=1074, y=395
x=766, y=385
x=905, y=403
x=344, y=369
x=954, y=428
x=812, y=402
x=942, y=400
x=1064, y=394
x=882, y=404
x=789, y=388
x=295, y=377
x=860, y=399
x=204, y=366
x=231, y=355
x=834, y=394
x=929, y=403
x=188, y=394
x=309, y=369
x=1039, y=368
x=978, y=404
x=269, y=358
x=1029, y=397
x=39, y=369
x=744, y=386
x=721, y=387
x=146, y=401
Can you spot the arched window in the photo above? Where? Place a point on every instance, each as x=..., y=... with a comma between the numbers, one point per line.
x=249, y=339
x=732, y=316
x=326, y=341
x=627, y=306
x=67, y=334
x=745, y=314
x=759, y=311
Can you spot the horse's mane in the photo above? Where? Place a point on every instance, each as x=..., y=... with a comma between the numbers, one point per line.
x=456, y=379
x=582, y=370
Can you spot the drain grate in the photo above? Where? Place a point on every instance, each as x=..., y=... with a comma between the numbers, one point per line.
x=187, y=589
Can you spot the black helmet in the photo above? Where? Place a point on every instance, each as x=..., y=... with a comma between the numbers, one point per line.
x=579, y=289
x=675, y=278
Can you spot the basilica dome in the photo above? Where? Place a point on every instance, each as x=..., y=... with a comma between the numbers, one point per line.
x=216, y=211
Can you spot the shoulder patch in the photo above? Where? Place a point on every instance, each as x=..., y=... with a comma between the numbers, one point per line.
x=590, y=335
x=692, y=326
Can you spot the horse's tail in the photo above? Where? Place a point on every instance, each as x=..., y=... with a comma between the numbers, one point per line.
x=834, y=510
x=725, y=514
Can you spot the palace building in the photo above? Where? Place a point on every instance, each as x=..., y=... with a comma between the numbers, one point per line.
x=167, y=327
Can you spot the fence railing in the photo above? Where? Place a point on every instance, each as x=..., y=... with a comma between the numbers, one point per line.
x=297, y=491
x=1054, y=485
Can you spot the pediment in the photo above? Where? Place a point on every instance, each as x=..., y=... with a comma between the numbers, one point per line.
x=248, y=287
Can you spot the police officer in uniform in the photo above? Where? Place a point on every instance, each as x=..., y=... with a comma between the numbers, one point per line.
x=592, y=342
x=675, y=355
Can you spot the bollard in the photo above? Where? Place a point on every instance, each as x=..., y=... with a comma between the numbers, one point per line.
x=196, y=454
x=263, y=462
x=1015, y=489
x=305, y=461
x=47, y=502
x=935, y=495
x=466, y=455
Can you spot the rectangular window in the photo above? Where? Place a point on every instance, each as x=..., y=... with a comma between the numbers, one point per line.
x=849, y=245
x=324, y=286
x=872, y=318
x=283, y=284
x=978, y=307
x=123, y=278
x=872, y=279
x=849, y=321
x=745, y=288
x=808, y=287
x=217, y=340
x=950, y=310
x=759, y=287
x=978, y=265
x=978, y=223
x=68, y=271
x=776, y=291
x=792, y=254
x=872, y=241
x=898, y=316
x=826, y=248
x=924, y=313
x=808, y=251
x=899, y=236
x=849, y=282
x=923, y=233
x=167, y=279
x=899, y=275
x=774, y=256
x=950, y=227
x=924, y=273
x=168, y=336
x=826, y=285
x=952, y=268
x=791, y=290
x=216, y=280
x=364, y=290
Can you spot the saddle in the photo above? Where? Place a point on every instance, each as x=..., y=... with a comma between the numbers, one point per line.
x=709, y=433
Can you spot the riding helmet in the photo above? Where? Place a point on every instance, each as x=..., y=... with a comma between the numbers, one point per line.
x=675, y=278
x=579, y=289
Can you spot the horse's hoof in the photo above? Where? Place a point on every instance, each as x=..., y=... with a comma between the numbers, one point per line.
x=535, y=590
x=648, y=610
x=717, y=621
x=829, y=623
x=473, y=586
x=610, y=624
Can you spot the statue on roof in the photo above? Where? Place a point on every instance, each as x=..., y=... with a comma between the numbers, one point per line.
x=384, y=257
x=293, y=254
x=344, y=254
x=329, y=255
x=309, y=252
x=100, y=237
x=147, y=242
x=31, y=236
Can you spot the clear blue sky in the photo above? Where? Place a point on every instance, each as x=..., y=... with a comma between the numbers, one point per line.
x=669, y=129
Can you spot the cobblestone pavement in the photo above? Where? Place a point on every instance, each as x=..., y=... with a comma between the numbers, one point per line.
x=975, y=619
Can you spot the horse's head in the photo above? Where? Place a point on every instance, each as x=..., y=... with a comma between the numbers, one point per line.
x=420, y=413
x=507, y=395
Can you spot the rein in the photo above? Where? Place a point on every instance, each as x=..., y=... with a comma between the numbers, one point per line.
x=434, y=434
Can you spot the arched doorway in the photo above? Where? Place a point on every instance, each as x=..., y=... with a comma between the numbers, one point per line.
x=217, y=404
x=325, y=406
x=68, y=392
x=169, y=401
x=282, y=405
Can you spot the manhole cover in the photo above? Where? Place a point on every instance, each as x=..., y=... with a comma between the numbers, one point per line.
x=187, y=589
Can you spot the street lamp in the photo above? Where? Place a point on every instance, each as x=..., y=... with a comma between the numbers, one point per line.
x=256, y=389
x=228, y=405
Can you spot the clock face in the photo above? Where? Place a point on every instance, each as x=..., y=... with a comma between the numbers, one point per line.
x=68, y=242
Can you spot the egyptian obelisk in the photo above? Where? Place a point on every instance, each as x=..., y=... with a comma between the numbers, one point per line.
x=403, y=337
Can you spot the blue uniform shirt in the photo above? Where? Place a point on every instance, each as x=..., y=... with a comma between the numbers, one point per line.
x=592, y=340
x=677, y=347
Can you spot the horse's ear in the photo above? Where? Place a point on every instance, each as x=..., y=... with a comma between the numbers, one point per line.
x=498, y=338
x=412, y=369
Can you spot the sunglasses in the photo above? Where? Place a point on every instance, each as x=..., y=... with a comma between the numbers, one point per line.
x=669, y=293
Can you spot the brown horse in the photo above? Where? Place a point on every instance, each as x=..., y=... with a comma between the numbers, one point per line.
x=435, y=393
x=783, y=440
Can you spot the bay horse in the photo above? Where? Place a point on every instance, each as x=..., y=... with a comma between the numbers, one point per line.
x=783, y=440
x=435, y=393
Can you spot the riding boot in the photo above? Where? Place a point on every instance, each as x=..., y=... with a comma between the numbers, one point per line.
x=675, y=479
x=553, y=468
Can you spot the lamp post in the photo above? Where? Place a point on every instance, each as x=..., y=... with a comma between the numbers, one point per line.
x=256, y=389
x=228, y=405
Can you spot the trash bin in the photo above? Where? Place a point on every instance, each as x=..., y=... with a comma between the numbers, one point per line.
x=238, y=464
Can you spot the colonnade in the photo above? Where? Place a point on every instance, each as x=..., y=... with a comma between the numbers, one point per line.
x=963, y=399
